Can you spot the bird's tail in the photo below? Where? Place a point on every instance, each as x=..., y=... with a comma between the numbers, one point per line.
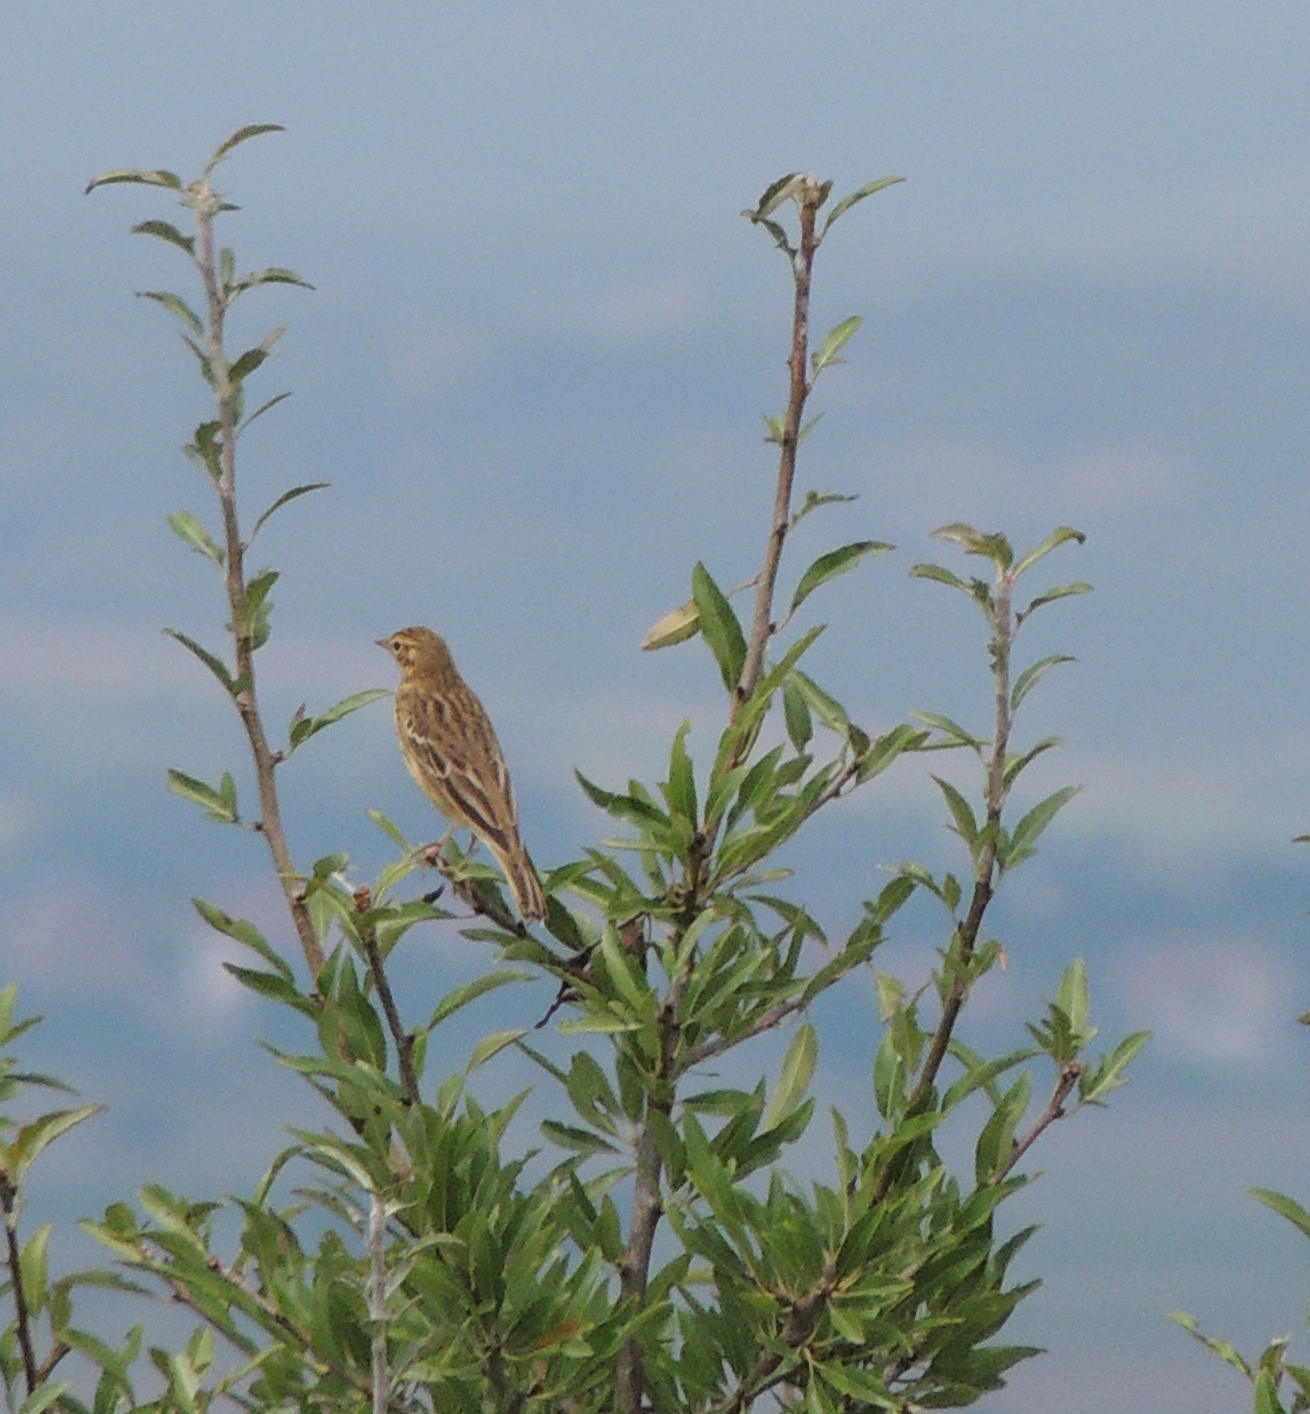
x=523, y=880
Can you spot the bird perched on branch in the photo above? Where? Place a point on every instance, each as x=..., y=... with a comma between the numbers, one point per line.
x=451, y=750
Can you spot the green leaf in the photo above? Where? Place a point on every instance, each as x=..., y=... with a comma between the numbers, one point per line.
x=286, y=495
x=886, y=748
x=759, y=701
x=815, y=499
x=244, y=932
x=777, y=431
x=1031, y=675
x=259, y=412
x=954, y=733
x=254, y=620
x=832, y=564
x=1280, y=1203
x=994, y=547
x=828, y=710
x=796, y=712
x=845, y=204
x=622, y=807
x=1108, y=1075
x=591, y=1093
x=579, y=1141
x=794, y=1079
x=1221, y=1348
x=166, y=232
x=682, y=778
x=719, y=626
x=961, y=812
x=247, y=364
x=206, y=451
x=491, y=1046
x=136, y=175
x=34, y=1266
x=941, y=575
x=388, y=828
x=1058, y=536
x=676, y=626
x=471, y=991
x=779, y=235
x=175, y=304
x=1062, y=591
x=273, y=275
x=834, y=342
x=273, y=986
x=776, y=193
x=626, y=973
x=43, y=1396
x=205, y=362
x=1015, y=764
x=189, y=529
x=302, y=727
x=32, y=1138
x=1266, y=1395
x=996, y=1140
x=220, y=804
x=1026, y=833
x=1073, y=998
x=215, y=665
x=242, y=135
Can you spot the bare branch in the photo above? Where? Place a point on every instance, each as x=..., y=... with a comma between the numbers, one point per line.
x=207, y=204
x=22, y=1317
x=1054, y=1110
x=401, y=1038
x=799, y=390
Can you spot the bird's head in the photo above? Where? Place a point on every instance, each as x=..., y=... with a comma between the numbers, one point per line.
x=418, y=650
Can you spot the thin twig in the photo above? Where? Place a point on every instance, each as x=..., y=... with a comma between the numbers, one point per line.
x=965, y=941
x=47, y=1367
x=403, y=1041
x=762, y=626
x=22, y=1318
x=207, y=204
x=377, y=1301
x=647, y=1205
x=1054, y=1110
x=356, y=1379
x=768, y=1370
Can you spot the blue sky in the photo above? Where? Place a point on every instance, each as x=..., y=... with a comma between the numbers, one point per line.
x=533, y=370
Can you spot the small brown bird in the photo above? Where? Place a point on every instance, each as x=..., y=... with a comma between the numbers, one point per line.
x=451, y=750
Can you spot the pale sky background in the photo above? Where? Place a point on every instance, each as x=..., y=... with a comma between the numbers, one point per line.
x=533, y=369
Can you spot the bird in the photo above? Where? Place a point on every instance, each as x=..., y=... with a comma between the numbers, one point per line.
x=452, y=752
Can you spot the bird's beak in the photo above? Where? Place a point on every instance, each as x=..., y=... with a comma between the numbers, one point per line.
x=383, y=643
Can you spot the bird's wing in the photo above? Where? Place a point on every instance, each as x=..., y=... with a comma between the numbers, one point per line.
x=453, y=742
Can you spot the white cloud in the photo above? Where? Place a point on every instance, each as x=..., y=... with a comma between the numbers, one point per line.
x=611, y=737
x=974, y=480
x=66, y=932
x=1219, y=1001
x=19, y=821
x=654, y=307
x=117, y=661
x=209, y=998
x=130, y=698
x=1246, y=227
x=1116, y=477
x=1183, y=804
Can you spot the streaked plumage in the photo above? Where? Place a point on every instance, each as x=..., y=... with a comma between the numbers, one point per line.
x=451, y=750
